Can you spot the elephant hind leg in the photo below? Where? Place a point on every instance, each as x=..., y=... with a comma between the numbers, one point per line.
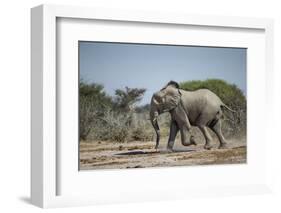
x=207, y=137
x=217, y=129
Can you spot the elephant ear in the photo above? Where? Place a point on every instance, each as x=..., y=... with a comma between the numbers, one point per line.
x=171, y=83
x=172, y=97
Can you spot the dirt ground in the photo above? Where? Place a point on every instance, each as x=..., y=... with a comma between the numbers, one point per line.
x=136, y=154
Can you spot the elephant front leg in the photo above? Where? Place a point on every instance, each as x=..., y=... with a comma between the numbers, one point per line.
x=173, y=133
x=182, y=120
x=186, y=138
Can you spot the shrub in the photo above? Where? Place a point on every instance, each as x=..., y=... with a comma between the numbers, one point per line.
x=111, y=118
x=92, y=101
x=87, y=113
x=140, y=134
x=125, y=99
x=114, y=126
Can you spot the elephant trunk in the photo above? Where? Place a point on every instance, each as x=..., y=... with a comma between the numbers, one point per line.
x=153, y=118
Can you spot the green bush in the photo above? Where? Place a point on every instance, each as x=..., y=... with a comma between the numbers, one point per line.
x=88, y=113
x=103, y=117
x=92, y=101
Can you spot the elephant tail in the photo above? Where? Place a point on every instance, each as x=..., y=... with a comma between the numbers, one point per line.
x=224, y=106
x=227, y=107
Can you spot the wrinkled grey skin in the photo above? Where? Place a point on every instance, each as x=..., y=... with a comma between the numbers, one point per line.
x=201, y=108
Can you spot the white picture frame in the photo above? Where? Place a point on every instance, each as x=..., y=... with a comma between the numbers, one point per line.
x=45, y=168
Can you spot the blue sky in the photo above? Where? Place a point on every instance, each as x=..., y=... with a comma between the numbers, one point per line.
x=116, y=65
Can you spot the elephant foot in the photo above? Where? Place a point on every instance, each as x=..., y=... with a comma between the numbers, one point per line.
x=208, y=146
x=169, y=150
x=187, y=144
x=156, y=148
x=223, y=146
x=192, y=141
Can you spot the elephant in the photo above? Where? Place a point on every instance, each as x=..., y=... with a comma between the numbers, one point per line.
x=201, y=108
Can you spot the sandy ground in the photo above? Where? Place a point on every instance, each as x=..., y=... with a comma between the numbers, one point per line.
x=113, y=155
